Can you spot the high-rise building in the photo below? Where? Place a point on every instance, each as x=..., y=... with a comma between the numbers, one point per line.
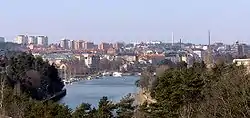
x=76, y=45
x=240, y=50
x=2, y=39
x=21, y=39
x=105, y=46
x=64, y=43
x=79, y=45
x=72, y=44
x=42, y=40
x=88, y=45
x=32, y=40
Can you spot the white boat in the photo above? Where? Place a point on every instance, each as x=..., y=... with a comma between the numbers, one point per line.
x=89, y=78
x=106, y=74
x=117, y=74
x=66, y=82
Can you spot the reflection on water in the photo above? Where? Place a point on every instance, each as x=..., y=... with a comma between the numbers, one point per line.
x=90, y=91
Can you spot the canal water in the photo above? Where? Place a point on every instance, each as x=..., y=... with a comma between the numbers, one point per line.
x=90, y=91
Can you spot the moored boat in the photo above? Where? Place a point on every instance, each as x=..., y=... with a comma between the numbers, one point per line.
x=89, y=78
x=117, y=74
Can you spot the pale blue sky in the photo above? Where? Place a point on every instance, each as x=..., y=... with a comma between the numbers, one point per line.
x=127, y=20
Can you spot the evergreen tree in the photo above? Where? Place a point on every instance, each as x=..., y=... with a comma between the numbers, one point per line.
x=105, y=108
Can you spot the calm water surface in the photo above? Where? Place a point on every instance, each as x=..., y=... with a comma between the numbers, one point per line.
x=90, y=91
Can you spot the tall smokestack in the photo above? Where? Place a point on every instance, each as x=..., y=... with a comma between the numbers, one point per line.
x=180, y=43
x=209, y=38
x=172, y=38
x=210, y=58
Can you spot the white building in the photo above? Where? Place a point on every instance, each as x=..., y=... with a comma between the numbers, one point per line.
x=21, y=39
x=42, y=40
x=92, y=61
x=2, y=39
x=64, y=43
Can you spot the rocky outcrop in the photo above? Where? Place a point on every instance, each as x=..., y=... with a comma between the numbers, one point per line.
x=143, y=96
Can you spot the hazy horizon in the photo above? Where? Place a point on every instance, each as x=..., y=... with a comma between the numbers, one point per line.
x=127, y=20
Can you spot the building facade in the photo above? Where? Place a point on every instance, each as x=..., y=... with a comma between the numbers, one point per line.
x=79, y=45
x=105, y=46
x=72, y=44
x=88, y=45
x=118, y=45
x=32, y=40
x=42, y=40
x=92, y=61
x=21, y=39
x=64, y=43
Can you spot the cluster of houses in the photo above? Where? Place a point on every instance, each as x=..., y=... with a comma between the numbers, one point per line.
x=136, y=55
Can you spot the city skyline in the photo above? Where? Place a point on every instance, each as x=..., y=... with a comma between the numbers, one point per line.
x=112, y=21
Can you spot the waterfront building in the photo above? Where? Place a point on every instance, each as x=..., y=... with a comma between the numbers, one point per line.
x=92, y=61
x=72, y=68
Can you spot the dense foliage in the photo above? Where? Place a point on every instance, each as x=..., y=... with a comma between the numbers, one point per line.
x=222, y=91
x=36, y=77
x=23, y=107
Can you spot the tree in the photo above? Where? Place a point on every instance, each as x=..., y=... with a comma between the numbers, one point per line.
x=125, y=108
x=181, y=65
x=222, y=91
x=115, y=65
x=47, y=110
x=105, y=108
x=105, y=64
x=19, y=67
x=55, y=82
x=83, y=111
